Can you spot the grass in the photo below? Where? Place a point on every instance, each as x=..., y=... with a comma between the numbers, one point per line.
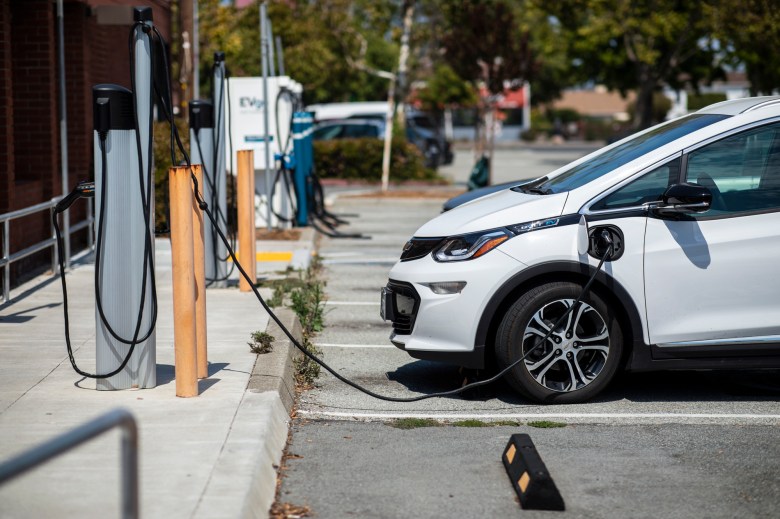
x=480, y=423
x=414, y=423
x=546, y=424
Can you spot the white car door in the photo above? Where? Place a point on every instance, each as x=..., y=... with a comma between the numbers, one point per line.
x=712, y=278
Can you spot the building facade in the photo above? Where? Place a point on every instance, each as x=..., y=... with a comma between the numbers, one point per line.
x=96, y=51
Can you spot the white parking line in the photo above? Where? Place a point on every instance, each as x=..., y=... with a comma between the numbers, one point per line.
x=353, y=303
x=716, y=417
x=334, y=345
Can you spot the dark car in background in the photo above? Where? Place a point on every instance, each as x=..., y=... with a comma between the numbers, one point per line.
x=420, y=131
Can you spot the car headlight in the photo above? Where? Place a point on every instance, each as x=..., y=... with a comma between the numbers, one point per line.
x=470, y=246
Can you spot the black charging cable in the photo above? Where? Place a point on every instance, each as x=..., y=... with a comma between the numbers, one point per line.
x=283, y=172
x=84, y=190
x=213, y=184
x=203, y=205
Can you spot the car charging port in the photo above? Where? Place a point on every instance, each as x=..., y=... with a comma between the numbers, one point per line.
x=601, y=237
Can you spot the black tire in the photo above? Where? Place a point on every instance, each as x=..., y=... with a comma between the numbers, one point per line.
x=572, y=370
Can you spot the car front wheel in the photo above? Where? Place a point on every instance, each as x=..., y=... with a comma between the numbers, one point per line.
x=576, y=361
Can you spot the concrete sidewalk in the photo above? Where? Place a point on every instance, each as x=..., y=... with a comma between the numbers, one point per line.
x=210, y=456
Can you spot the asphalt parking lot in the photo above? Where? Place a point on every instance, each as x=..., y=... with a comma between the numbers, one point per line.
x=685, y=444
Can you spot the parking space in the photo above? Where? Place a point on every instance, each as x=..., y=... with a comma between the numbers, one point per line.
x=675, y=444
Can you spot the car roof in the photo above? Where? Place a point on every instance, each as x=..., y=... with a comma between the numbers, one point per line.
x=738, y=106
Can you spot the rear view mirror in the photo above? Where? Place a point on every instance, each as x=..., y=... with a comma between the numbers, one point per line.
x=685, y=199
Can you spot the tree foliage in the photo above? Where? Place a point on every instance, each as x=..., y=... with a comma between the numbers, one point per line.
x=444, y=89
x=482, y=42
x=320, y=39
x=638, y=44
x=749, y=33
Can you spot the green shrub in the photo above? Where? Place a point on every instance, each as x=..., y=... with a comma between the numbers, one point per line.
x=594, y=129
x=361, y=159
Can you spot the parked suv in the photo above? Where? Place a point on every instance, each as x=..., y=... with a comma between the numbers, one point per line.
x=692, y=208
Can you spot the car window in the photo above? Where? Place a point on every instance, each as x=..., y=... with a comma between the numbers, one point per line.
x=356, y=131
x=742, y=171
x=612, y=159
x=325, y=133
x=647, y=188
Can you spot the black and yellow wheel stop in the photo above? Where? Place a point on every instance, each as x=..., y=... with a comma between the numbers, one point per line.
x=529, y=475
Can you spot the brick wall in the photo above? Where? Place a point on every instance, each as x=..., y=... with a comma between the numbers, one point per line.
x=35, y=131
x=6, y=111
x=30, y=167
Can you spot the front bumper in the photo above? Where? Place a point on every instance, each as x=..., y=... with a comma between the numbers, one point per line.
x=443, y=327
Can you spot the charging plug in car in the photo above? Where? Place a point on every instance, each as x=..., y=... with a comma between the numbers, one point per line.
x=601, y=238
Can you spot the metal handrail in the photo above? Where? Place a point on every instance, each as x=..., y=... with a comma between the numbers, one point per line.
x=63, y=443
x=7, y=258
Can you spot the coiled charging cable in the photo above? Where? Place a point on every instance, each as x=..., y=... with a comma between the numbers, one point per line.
x=205, y=208
x=87, y=190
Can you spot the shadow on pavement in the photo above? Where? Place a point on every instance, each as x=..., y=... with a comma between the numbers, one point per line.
x=22, y=316
x=673, y=386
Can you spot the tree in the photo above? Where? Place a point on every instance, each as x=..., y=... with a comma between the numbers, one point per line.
x=638, y=44
x=749, y=33
x=319, y=37
x=482, y=42
x=445, y=89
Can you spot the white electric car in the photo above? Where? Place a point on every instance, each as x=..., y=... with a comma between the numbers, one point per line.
x=691, y=208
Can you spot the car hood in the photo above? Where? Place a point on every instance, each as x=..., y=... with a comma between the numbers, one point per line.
x=500, y=209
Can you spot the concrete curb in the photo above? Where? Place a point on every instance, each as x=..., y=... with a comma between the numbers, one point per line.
x=275, y=371
x=259, y=431
x=258, y=434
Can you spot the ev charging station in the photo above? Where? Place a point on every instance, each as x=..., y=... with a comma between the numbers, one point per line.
x=202, y=148
x=220, y=174
x=121, y=197
x=246, y=113
x=302, y=150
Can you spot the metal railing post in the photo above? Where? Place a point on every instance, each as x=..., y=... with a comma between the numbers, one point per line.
x=63, y=443
x=90, y=225
x=7, y=261
x=130, y=505
x=49, y=243
x=54, y=251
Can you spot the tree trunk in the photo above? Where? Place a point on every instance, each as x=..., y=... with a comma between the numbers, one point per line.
x=397, y=80
x=644, y=105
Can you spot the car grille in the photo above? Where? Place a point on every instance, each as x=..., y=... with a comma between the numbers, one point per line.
x=406, y=303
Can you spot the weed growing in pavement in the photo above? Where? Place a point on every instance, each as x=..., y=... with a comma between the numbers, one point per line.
x=480, y=423
x=546, y=424
x=278, y=298
x=413, y=423
x=261, y=342
x=508, y=423
x=304, y=293
x=306, y=370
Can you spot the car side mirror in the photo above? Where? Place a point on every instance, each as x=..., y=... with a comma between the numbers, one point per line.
x=685, y=199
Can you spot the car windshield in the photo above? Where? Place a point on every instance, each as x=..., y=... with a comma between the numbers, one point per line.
x=620, y=155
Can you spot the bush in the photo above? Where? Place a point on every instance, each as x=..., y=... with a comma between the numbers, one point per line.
x=361, y=159
x=529, y=135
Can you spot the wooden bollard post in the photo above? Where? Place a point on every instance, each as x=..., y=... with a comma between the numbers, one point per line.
x=198, y=218
x=182, y=258
x=247, y=255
